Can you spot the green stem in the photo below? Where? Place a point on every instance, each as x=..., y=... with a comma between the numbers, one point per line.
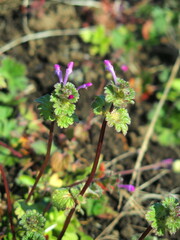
x=45, y=161
x=9, y=203
x=90, y=178
x=145, y=233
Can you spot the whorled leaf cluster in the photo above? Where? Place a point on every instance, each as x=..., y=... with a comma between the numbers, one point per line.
x=33, y=236
x=33, y=224
x=119, y=96
x=164, y=216
x=60, y=105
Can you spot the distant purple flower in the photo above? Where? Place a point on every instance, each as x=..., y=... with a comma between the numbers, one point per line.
x=167, y=161
x=85, y=85
x=164, y=163
x=124, y=68
x=129, y=187
x=110, y=68
x=58, y=72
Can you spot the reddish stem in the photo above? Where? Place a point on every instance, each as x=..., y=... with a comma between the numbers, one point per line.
x=90, y=178
x=145, y=233
x=9, y=203
x=96, y=160
x=14, y=152
x=44, y=165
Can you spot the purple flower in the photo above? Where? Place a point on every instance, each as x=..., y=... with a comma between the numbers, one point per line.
x=69, y=69
x=85, y=85
x=129, y=187
x=124, y=68
x=71, y=97
x=167, y=161
x=68, y=72
x=58, y=72
x=110, y=68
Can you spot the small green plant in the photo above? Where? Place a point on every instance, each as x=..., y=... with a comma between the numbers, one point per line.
x=12, y=82
x=163, y=217
x=102, y=40
x=33, y=224
x=117, y=94
x=60, y=105
x=167, y=127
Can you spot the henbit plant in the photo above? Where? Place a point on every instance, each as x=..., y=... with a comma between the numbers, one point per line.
x=163, y=217
x=112, y=106
x=60, y=107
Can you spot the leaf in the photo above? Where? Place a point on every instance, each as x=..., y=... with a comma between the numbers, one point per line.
x=118, y=119
x=119, y=37
x=64, y=121
x=65, y=108
x=98, y=105
x=33, y=236
x=86, y=35
x=25, y=180
x=119, y=95
x=14, y=74
x=5, y=112
x=63, y=198
x=3, y=83
x=146, y=29
x=99, y=35
x=55, y=181
x=45, y=107
x=95, y=207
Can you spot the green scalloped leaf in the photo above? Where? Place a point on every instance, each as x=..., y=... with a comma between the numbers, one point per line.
x=64, y=109
x=118, y=119
x=33, y=236
x=65, y=121
x=120, y=95
x=45, y=107
x=64, y=198
x=99, y=105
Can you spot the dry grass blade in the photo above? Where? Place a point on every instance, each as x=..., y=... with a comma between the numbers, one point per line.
x=40, y=35
x=136, y=174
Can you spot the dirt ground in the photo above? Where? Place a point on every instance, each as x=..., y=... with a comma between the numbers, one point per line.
x=39, y=56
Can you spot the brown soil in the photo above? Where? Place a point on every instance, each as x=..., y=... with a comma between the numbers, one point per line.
x=40, y=55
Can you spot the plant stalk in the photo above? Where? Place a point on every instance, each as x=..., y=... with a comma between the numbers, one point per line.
x=44, y=165
x=12, y=150
x=9, y=203
x=145, y=233
x=90, y=178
